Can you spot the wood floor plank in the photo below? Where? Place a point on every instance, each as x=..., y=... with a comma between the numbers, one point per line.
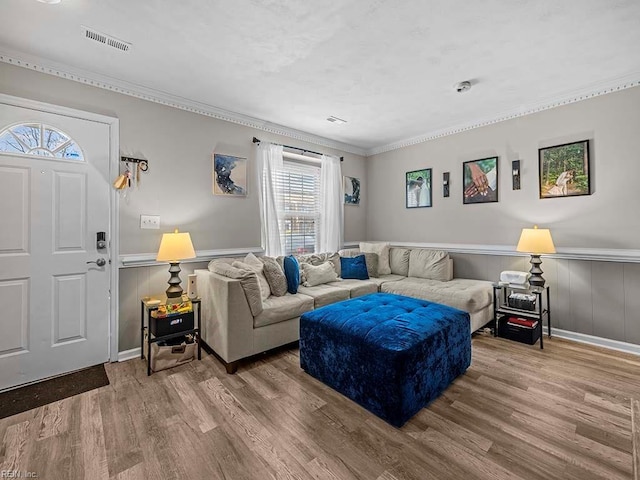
x=567, y=412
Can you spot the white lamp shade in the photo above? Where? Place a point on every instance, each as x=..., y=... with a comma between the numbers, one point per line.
x=536, y=241
x=175, y=247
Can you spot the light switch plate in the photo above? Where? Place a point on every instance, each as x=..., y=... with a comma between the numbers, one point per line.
x=150, y=221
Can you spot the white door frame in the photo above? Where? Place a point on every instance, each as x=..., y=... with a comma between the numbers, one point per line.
x=114, y=199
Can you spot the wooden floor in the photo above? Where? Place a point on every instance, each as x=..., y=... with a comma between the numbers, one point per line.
x=518, y=413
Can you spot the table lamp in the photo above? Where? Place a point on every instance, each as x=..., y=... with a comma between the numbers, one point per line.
x=173, y=248
x=536, y=241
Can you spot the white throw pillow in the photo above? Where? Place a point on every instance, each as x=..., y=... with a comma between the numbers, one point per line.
x=317, y=275
x=252, y=263
x=382, y=249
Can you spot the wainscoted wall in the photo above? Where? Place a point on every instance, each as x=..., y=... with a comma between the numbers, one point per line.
x=589, y=297
x=138, y=282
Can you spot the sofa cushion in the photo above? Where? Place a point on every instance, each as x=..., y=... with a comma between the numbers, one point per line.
x=325, y=294
x=430, y=264
x=382, y=249
x=356, y=288
x=291, y=269
x=371, y=259
x=355, y=267
x=265, y=291
x=399, y=261
x=386, y=278
x=317, y=275
x=275, y=276
x=468, y=295
x=279, y=309
x=248, y=281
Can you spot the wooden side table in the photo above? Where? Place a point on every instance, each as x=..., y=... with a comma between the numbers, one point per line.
x=176, y=331
x=502, y=311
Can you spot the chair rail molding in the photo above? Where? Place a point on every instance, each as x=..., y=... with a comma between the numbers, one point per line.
x=148, y=259
x=569, y=253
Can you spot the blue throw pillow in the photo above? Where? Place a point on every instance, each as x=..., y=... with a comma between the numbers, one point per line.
x=292, y=272
x=355, y=268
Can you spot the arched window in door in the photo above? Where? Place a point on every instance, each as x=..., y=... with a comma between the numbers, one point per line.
x=41, y=140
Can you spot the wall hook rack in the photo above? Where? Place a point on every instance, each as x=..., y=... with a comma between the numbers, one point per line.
x=144, y=164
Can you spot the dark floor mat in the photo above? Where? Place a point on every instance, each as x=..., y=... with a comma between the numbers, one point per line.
x=49, y=391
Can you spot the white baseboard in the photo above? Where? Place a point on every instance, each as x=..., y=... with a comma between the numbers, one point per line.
x=597, y=341
x=129, y=354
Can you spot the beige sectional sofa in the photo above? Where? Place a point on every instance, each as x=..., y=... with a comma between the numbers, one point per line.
x=234, y=329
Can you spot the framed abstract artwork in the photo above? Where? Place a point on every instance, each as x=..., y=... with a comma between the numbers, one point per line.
x=418, y=188
x=480, y=180
x=229, y=175
x=351, y=190
x=564, y=170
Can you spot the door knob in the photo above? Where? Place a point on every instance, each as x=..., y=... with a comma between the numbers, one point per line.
x=101, y=262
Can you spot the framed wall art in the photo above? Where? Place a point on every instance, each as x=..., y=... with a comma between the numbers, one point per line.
x=418, y=188
x=480, y=180
x=229, y=175
x=351, y=190
x=564, y=170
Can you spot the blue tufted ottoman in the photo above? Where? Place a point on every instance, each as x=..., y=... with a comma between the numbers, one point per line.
x=391, y=354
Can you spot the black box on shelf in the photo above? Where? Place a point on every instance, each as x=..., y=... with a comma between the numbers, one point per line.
x=522, y=301
x=173, y=324
x=517, y=332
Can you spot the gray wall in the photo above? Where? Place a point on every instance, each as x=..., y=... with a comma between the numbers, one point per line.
x=607, y=219
x=590, y=297
x=178, y=185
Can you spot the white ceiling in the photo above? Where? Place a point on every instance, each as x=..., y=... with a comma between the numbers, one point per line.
x=388, y=67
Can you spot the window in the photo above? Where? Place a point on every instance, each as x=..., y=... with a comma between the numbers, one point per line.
x=39, y=139
x=299, y=187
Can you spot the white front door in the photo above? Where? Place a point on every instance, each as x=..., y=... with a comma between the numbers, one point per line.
x=54, y=305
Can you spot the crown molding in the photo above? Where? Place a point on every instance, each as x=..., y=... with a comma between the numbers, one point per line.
x=566, y=98
x=133, y=90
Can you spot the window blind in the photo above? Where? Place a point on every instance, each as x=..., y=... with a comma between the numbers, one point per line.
x=299, y=187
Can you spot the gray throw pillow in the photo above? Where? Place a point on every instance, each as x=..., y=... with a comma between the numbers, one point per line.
x=248, y=282
x=275, y=276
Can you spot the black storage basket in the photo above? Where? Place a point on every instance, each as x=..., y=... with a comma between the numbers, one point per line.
x=520, y=334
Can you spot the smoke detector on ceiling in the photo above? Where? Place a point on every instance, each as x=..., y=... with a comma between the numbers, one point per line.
x=463, y=86
x=337, y=120
x=108, y=40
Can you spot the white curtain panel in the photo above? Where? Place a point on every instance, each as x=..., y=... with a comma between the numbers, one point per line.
x=331, y=233
x=269, y=163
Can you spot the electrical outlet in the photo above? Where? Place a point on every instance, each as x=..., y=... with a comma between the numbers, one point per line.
x=150, y=221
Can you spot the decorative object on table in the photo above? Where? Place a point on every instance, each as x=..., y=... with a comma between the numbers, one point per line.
x=536, y=241
x=445, y=184
x=351, y=190
x=515, y=174
x=192, y=286
x=564, y=170
x=418, y=188
x=523, y=301
x=229, y=175
x=480, y=181
x=174, y=247
x=514, y=278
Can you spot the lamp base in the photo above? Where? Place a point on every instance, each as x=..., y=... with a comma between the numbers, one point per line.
x=536, y=279
x=174, y=292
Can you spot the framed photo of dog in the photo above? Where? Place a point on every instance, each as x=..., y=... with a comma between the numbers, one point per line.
x=564, y=170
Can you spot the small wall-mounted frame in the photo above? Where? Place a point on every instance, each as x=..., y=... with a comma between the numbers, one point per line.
x=515, y=174
x=445, y=184
x=418, y=188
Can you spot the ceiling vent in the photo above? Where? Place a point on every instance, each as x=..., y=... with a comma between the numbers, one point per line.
x=105, y=39
x=337, y=120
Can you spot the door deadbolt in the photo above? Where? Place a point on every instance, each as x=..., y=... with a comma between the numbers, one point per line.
x=101, y=240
